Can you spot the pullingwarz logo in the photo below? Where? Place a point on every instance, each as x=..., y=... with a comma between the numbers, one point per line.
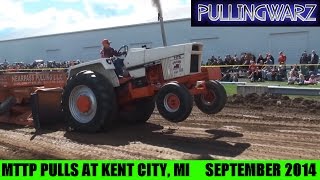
x=256, y=13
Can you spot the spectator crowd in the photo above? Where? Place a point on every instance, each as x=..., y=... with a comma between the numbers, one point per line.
x=268, y=68
x=37, y=64
x=257, y=69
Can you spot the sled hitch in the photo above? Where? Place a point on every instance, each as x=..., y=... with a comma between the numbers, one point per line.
x=46, y=107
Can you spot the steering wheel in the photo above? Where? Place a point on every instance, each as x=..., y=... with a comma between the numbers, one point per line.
x=123, y=50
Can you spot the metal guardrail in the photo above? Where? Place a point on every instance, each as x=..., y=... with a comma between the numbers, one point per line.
x=233, y=83
x=284, y=90
x=294, y=91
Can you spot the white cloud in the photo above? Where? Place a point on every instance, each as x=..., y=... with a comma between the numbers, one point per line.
x=88, y=8
x=53, y=20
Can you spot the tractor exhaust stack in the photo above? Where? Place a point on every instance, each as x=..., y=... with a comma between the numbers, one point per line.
x=157, y=4
x=164, y=39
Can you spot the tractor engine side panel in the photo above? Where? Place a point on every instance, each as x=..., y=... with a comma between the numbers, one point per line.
x=172, y=58
x=160, y=53
x=135, y=62
x=135, y=58
x=183, y=64
x=176, y=61
x=174, y=67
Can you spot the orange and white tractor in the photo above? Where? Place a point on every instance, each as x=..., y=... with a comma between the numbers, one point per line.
x=90, y=96
x=170, y=78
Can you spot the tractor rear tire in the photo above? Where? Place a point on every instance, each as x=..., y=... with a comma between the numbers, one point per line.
x=88, y=102
x=214, y=101
x=174, y=102
x=140, y=111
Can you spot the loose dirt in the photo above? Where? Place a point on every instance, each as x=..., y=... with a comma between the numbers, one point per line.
x=252, y=127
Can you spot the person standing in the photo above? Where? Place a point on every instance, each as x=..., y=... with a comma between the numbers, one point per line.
x=271, y=57
x=282, y=58
x=303, y=61
x=314, y=59
x=5, y=64
x=260, y=58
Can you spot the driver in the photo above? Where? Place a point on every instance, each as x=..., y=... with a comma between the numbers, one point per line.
x=107, y=52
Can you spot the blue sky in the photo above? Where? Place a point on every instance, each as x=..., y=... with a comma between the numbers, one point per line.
x=25, y=18
x=34, y=7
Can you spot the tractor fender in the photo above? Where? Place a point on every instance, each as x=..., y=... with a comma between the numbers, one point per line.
x=7, y=104
x=101, y=66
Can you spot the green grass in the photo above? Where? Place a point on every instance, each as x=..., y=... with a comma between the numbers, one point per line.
x=230, y=89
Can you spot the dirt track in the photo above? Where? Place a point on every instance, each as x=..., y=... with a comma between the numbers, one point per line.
x=235, y=133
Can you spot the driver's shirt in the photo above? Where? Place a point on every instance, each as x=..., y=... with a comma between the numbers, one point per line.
x=108, y=52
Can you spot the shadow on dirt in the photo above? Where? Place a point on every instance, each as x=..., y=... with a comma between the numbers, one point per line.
x=45, y=129
x=9, y=127
x=222, y=133
x=156, y=135
x=48, y=128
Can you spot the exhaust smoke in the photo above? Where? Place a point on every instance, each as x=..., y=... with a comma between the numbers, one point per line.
x=157, y=4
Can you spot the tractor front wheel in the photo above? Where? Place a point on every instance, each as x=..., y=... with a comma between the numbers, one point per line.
x=88, y=102
x=214, y=100
x=174, y=102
